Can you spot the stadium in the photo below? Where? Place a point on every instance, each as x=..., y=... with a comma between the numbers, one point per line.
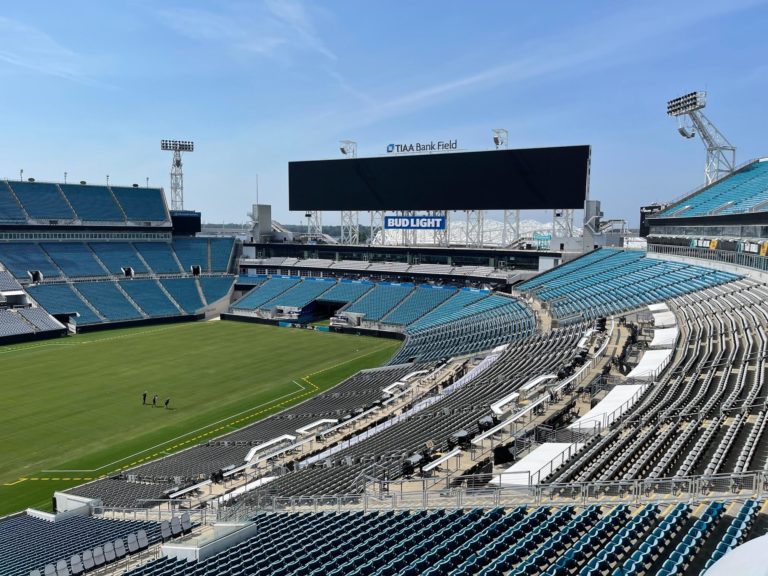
x=449, y=390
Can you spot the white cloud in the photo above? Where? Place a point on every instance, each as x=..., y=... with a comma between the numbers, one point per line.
x=618, y=38
x=30, y=48
x=268, y=29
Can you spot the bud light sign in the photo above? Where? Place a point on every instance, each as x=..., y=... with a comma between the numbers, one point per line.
x=414, y=222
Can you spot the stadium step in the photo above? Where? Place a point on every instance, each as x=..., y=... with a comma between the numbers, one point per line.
x=131, y=300
x=87, y=302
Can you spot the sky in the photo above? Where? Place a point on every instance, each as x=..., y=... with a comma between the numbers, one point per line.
x=91, y=87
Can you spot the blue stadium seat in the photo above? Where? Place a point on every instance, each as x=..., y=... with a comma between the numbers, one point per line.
x=92, y=203
x=301, y=293
x=265, y=292
x=74, y=258
x=42, y=200
x=150, y=298
x=108, y=300
x=215, y=287
x=192, y=252
x=185, y=292
x=608, y=281
x=742, y=191
x=159, y=256
x=222, y=250
x=141, y=204
x=381, y=300
x=118, y=255
x=346, y=291
x=61, y=299
x=22, y=257
x=10, y=209
x=418, y=303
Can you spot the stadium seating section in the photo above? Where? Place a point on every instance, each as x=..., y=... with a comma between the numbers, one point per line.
x=10, y=209
x=743, y=191
x=28, y=543
x=62, y=299
x=160, y=257
x=118, y=255
x=42, y=201
x=300, y=294
x=609, y=539
x=47, y=201
x=75, y=259
x=265, y=292
x=216, y=287
x=113, y=297
x=150, y=297
x=141, y=204
x=185, y=292
x=93, y=203
x=417, y=303
x=380, y=301
x=346, y=291
x=22, y=258
x=608, y=281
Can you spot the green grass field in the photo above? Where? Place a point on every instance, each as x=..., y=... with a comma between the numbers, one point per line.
x=72, y=407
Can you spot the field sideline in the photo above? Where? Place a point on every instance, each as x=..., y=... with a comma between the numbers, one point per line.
x=73, y=411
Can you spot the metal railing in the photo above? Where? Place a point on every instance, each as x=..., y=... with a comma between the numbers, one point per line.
x=735, y=258
x=475, y=491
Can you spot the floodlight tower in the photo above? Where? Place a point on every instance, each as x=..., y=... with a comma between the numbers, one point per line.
x=350, y=219
x=721, y=154
x=511, y=225
x=177, y=174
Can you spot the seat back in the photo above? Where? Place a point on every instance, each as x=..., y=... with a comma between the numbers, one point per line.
x=76, y=564
x=61, y=568
x=176, y=526
x=88, y=560
x=50, y=570
x=165, y=530
x=186, y=523
x=141, y=537
x=98, y=556
x=109, y=552
x=133, y=544
x=119, y=548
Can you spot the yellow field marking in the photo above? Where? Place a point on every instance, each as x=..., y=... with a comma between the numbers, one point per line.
x=48, y=479
x=19, y=481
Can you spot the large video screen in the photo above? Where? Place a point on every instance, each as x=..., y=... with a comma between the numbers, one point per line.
x=526, y=179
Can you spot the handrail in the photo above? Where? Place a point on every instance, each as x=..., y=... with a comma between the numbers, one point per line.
x=474, y=491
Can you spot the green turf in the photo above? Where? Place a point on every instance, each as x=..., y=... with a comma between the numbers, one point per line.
x=73, y=406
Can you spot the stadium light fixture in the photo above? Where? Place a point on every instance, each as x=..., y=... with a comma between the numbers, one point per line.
x=691, y=121
x=686, y=104
x=348, y=148
x=65, y=177
x=500, y=137
x=177, y=145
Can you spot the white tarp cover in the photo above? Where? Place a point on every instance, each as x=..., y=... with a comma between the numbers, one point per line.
x=660, y=307
x=664, y=319
x=749, y=559
x=554, y=453
x=664, y=337
x=651, y=364
x=615, y=403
